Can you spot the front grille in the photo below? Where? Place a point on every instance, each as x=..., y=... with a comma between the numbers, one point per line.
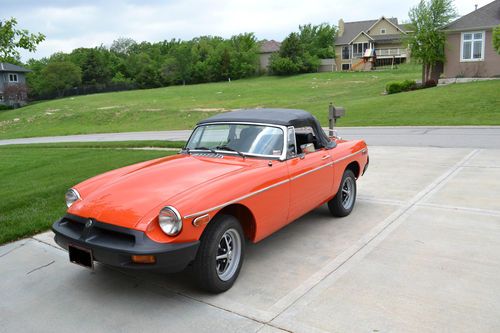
x=98, y=232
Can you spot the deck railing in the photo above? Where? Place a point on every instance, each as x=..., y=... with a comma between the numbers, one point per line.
x=396, y=52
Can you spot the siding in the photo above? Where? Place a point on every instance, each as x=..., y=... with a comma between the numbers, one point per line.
x=453, y=67
x=4, y=80
x=264, y=61
x=383, y=24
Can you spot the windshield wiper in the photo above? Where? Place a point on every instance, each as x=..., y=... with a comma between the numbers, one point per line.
x=205, y=148
x=225, y=147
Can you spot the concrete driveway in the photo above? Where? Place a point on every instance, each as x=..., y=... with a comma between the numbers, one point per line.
x=419, y=253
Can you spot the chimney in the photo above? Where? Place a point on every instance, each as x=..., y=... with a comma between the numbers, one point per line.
x=476, y=6
x=340, y=31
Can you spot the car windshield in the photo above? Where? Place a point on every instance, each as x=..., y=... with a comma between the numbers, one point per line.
x=245, y=139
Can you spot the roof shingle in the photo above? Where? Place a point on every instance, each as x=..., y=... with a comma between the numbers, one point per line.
x=6, y=67
x=270, y=46
x=352, y=29
x=487, y=16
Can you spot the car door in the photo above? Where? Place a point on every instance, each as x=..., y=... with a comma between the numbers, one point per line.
x=311, y=179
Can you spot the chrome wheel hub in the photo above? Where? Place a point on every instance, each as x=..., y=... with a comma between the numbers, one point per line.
x=228, y=254
x=348, y=193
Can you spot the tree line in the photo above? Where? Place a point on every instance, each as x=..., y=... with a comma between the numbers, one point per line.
x=129, y=65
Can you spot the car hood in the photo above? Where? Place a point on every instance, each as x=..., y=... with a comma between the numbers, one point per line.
x=126, y=198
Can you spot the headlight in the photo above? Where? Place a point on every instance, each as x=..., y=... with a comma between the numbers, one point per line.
x=71, y=196
x=170, y=221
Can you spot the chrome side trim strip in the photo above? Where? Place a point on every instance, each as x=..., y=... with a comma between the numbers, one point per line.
x=271, y=186
x=311, y=171
x=238, y=199
x=351, y=155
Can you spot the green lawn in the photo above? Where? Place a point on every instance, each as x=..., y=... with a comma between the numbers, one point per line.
x=33, y=181
x=180, y=107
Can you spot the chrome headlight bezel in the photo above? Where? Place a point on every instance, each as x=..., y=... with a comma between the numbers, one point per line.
x=71, y=197
x=170, y=221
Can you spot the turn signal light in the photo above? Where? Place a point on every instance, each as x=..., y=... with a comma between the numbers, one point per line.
x=144, y=259
x=204, y=219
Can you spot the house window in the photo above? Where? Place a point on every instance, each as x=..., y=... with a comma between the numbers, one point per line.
x=1, y=98
x=346, y=67
x=358, y=49
x=382, y=31
x=472, y=46
x=12, y=77
x=346, y=52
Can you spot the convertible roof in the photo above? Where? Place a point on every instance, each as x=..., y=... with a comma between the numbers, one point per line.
x=285, y=117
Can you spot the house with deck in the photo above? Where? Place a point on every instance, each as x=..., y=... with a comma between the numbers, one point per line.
x=469, y=48
x=362, y=45
x=13, y=91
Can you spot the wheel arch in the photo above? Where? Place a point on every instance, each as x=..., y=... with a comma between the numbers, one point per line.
x=244, y=215
x=355, y=168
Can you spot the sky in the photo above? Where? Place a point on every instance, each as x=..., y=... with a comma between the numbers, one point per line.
x=87, y=23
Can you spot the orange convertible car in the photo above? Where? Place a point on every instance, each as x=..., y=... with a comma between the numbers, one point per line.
x=241, y=176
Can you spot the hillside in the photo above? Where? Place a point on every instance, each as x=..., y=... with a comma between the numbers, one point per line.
x=180, y=107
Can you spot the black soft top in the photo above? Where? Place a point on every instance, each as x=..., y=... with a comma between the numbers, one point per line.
x=284, y=117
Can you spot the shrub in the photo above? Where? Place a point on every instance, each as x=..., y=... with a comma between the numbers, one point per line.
x=408, y=85
x=430, y=83
x=283, y=66
x=397, y=87
x=5, y=107
x=393, y=87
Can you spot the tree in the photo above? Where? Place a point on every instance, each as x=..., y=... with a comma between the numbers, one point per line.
x=60, y=76
x=15, y=93
x=496, y=39
x=122, y=46
x=12, y=39
x=294, y=57
x=95, y=69
x=426, y=40
x=318, y=40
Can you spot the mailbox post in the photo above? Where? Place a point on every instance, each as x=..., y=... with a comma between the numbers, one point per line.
x=334, y=113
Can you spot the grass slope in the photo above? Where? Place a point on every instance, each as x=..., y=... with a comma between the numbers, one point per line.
x=180, y=107
x=33, y=181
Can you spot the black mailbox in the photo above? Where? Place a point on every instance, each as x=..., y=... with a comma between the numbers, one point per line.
x=334, y=112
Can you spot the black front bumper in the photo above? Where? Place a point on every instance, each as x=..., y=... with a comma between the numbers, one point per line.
x=115, y=245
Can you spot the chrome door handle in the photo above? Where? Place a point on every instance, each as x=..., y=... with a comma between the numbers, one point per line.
x=325, y=157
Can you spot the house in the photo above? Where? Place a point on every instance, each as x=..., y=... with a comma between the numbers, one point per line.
x=13, y=89
x=267, y=48
x=469, y=49
x=363, y=44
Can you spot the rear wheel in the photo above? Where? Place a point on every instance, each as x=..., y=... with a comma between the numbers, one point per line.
x=220, y=255
x=342, y=204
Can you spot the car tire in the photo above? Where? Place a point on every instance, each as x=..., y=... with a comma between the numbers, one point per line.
x=220, y=255
x=343, y=202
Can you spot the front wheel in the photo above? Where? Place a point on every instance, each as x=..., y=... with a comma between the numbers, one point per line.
x=220, y=255
x=342, y=204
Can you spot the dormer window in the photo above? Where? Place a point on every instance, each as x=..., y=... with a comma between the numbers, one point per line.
x=13, y=78
x=382, y=31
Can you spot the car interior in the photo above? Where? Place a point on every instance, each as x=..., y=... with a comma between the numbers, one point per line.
x=303, y=139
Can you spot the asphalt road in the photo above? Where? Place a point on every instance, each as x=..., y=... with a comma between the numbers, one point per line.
x=487, y=137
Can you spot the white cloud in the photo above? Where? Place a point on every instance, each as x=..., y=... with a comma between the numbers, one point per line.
x=79, y=23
